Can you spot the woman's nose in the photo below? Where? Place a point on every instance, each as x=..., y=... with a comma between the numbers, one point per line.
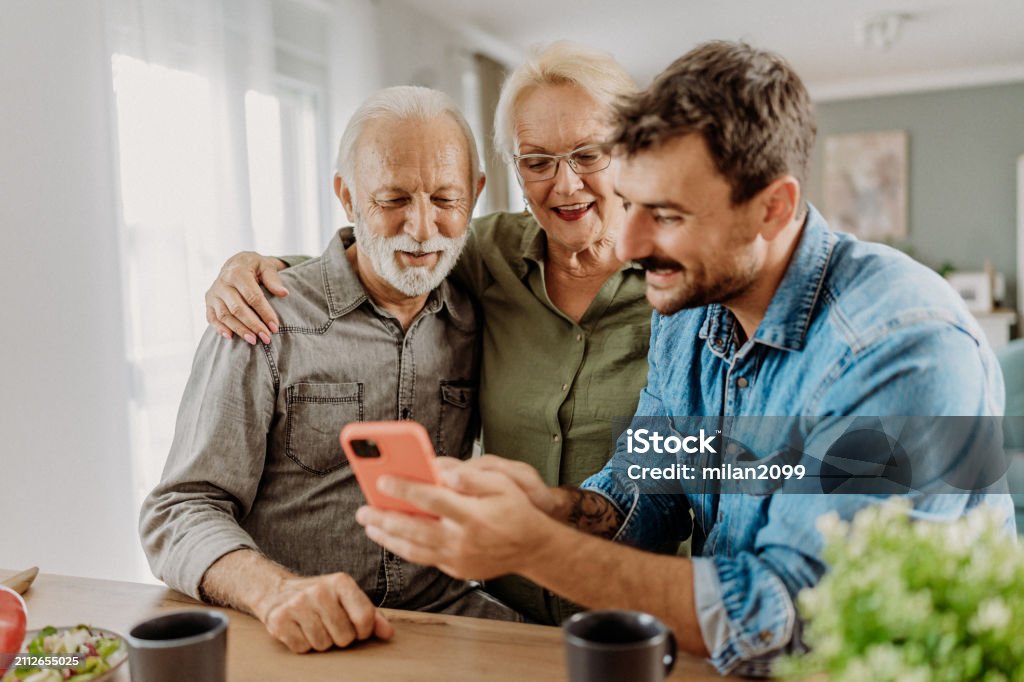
x=566, y=179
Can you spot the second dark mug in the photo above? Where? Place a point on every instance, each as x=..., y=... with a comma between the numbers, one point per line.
x=181, y=645
x=609, y=646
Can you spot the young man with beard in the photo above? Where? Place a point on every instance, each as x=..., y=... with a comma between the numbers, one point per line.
x=761, y=310
x=256, y=506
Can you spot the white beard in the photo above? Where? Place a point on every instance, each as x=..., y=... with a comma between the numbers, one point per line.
x=413, y=280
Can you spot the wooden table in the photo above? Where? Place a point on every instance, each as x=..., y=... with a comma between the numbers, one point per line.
x=425, y=646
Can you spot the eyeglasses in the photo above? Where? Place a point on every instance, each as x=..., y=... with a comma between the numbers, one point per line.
x=590, y=158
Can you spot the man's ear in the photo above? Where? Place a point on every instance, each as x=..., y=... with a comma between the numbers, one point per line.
x=777, y=205
x=344, y=194
x=480, y=182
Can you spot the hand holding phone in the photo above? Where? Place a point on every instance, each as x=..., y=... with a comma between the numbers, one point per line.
x=389, y=448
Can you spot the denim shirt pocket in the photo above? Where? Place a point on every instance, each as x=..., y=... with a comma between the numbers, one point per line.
x=315, y=415
x=456, y=424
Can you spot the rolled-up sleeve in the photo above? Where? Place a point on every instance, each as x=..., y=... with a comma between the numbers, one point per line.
x=212, y=473
x=745, y=603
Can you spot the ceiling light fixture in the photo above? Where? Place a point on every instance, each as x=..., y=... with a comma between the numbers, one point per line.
x=880, y=31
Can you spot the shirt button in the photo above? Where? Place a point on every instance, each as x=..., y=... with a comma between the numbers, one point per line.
x=742, y=382
x=555, y=438
x=565, y=386
x=579, y=337
x=765, y=636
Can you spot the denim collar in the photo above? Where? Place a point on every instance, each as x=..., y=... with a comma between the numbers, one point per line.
x=343, y=291
x=788, y=315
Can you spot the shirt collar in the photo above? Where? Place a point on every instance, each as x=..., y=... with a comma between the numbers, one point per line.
x=342, y=288
x=789, y=313
x=344, y=292
x=534, y=248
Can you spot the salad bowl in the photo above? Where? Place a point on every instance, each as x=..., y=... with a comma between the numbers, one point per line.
x=104, y=652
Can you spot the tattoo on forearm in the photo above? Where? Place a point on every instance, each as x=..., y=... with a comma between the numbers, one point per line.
x=593, y=513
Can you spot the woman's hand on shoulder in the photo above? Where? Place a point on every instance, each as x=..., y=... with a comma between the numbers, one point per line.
x=235, y=304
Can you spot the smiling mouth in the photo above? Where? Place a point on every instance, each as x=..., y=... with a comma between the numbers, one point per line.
x=418, y=257
x=573, y=211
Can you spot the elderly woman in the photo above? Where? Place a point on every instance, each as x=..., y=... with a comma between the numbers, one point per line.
x=566, y=325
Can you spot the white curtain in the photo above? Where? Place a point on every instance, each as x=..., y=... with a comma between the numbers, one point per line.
x=217, y=152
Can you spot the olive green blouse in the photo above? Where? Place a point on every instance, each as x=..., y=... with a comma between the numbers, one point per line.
x=550, y=386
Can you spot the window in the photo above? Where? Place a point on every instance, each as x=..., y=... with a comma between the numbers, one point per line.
x=286, y=185
x=221, y=147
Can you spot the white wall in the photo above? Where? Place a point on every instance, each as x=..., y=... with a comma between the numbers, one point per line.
x=65, y=472
x=380, y=43
x=353, y=71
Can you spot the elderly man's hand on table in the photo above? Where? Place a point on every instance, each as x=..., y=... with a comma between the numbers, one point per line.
x=320, y=612
x=304, y=613
x=492, y=511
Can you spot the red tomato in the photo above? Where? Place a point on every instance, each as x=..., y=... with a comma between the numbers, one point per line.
x=13, y=618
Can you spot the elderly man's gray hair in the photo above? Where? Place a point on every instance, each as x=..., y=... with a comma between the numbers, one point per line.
x=401, y=103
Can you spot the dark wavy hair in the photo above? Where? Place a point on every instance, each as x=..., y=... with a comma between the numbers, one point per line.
x=750, y=107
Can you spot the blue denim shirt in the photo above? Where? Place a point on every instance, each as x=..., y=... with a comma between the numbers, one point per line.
x=854, y=328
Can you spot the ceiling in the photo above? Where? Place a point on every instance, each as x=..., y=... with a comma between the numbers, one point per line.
x=942, y=43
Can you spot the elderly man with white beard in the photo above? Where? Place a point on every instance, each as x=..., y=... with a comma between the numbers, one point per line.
x=255, y=509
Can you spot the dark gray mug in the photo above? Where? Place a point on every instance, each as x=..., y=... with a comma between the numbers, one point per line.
x=182, y=645
x=609, y=646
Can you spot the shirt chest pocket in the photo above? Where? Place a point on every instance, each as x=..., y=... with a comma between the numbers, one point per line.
x=456, y=424
x=315, y=415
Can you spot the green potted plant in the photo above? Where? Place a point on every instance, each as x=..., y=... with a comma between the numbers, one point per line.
x=914, y=601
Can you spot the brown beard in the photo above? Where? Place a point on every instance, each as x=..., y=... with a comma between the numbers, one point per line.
x=725, y=289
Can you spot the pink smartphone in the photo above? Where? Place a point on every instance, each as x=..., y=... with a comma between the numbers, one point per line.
x=394, y=448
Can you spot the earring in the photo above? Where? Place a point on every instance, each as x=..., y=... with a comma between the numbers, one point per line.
x=526, y=205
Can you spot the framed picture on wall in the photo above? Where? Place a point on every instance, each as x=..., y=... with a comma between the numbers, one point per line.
x=865, y=184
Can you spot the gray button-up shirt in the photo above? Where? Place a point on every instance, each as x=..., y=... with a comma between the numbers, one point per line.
x=256, y=462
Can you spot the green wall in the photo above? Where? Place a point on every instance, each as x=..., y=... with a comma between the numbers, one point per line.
x=964, y=145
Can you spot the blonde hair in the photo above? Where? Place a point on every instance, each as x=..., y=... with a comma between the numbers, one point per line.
x=561, y=63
